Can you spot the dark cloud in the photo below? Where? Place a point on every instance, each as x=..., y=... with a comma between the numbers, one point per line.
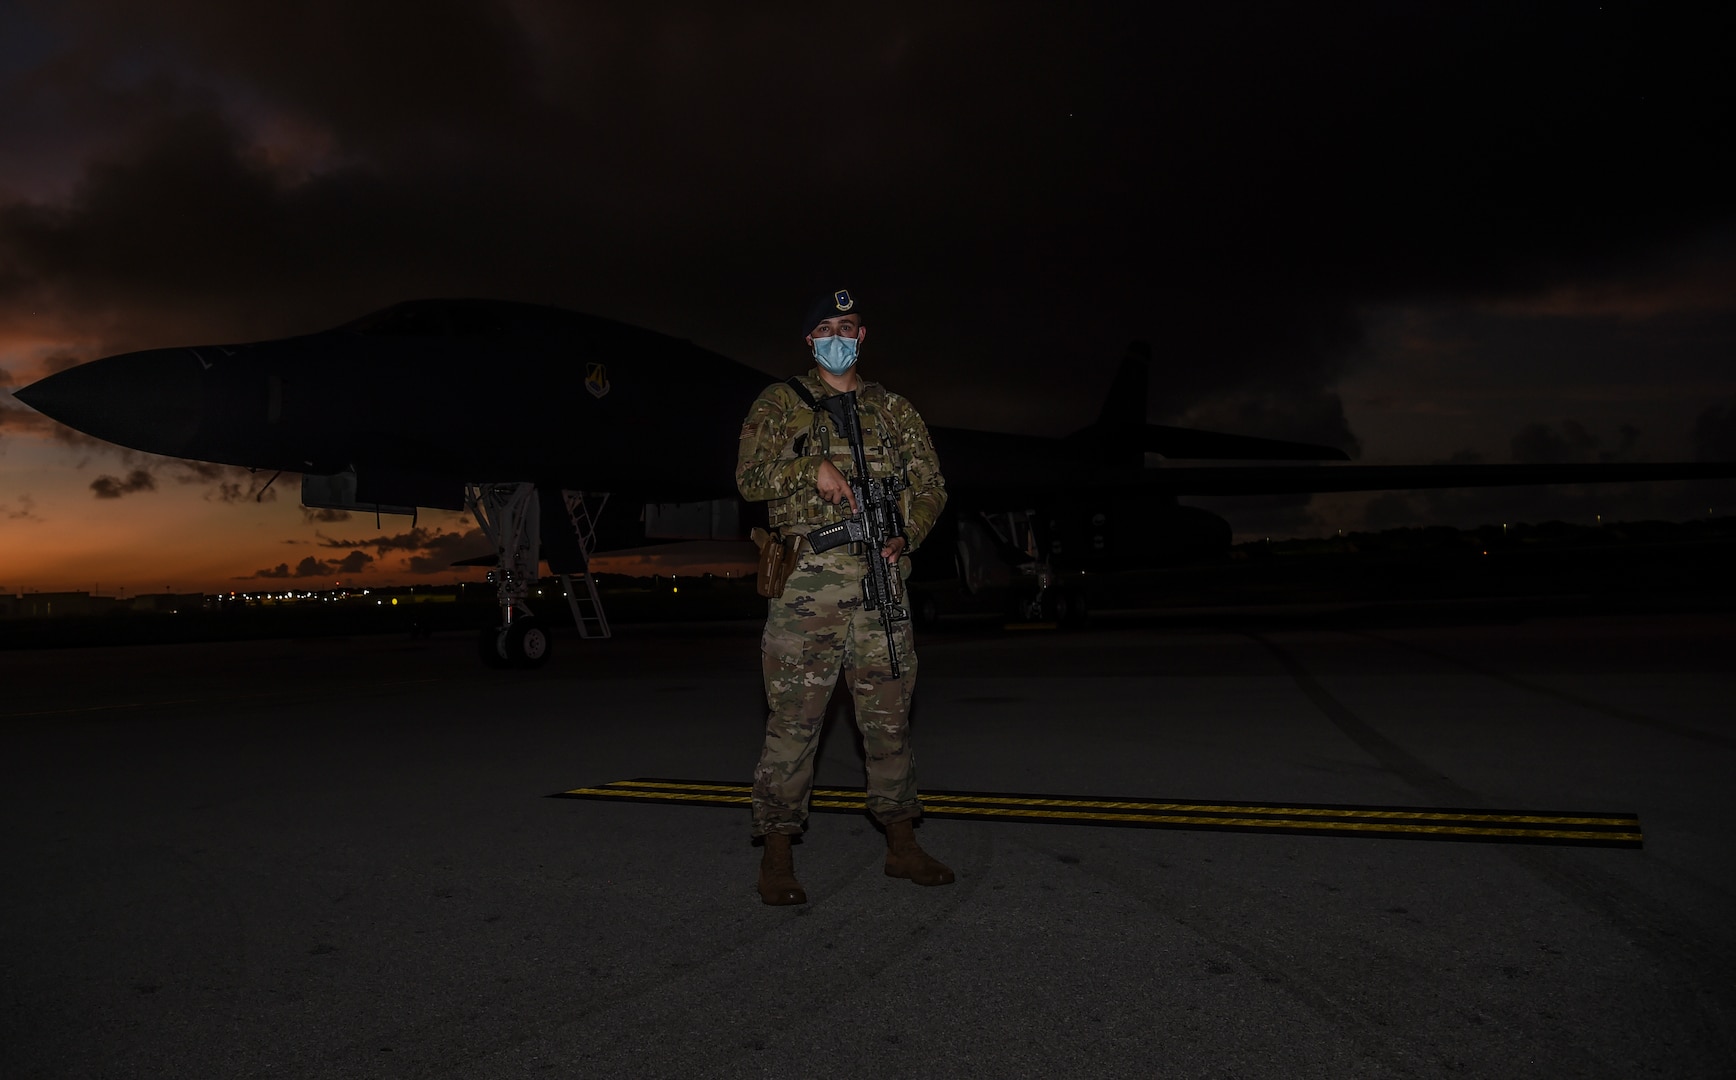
x=1714, y=437
x=430, y=551
x=385, y=73
x=413, y=540
x=200, y=472
x=23, y=510
x=113, y=487
x=354, y=563
x=440, y=558
x=1017, y=192
x=125, y=238
x=237, y=491
x=148, y=469
x=16, y=418
x=325, y=514
x=1570, y=441
x=59, y=362
x=1297, y=414
x=444, y=549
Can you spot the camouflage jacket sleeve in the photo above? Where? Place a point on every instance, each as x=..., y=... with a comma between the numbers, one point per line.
x=766, y=465
x=926, y=497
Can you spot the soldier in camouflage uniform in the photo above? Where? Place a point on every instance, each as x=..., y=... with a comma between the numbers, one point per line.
x=793, y=458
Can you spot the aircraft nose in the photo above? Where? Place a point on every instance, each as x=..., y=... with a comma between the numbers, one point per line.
x=148, y=401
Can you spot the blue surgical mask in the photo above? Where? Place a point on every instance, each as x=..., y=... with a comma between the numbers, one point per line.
x=836, y=354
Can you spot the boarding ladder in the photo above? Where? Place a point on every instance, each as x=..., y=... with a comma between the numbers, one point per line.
x=586, y=605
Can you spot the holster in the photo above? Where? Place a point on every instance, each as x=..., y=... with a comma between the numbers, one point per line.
x=778, y=555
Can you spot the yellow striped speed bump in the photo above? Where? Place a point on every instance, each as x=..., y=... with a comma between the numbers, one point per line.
x=1593, y=829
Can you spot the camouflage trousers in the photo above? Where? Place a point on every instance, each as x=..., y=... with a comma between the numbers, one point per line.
x=817, y=629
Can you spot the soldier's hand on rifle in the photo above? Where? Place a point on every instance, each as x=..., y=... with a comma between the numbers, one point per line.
x=833, y=487
x=893, y=549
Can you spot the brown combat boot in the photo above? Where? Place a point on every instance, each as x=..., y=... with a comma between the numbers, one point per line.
x=906, y=859
x=777, y=879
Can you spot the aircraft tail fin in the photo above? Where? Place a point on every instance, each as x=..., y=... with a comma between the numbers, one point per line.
x=1120, y=425
x=1124, y=408
x=1124, y=438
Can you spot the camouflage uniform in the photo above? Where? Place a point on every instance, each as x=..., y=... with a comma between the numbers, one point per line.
x=819, y=626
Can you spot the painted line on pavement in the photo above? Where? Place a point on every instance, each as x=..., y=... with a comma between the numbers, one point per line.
x=1583, y=828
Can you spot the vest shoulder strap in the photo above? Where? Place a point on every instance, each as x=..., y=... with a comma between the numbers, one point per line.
x=794, y=382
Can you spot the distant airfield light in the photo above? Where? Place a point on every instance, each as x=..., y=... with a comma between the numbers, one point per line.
x=394, y=601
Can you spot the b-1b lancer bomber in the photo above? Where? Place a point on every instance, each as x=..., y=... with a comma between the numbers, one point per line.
x=535, y=418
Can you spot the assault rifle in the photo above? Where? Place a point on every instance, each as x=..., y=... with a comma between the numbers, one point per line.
x=874, y=524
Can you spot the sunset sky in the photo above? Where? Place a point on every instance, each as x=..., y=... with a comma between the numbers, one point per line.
x=1429, y=232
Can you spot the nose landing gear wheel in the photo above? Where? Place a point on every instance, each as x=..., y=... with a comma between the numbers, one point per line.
x=526, y=643
x=1070, y=609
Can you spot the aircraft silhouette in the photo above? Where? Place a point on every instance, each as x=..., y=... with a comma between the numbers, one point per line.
x=384, y=413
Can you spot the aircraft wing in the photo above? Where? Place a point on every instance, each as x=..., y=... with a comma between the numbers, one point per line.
x=1106, y=520
x=1177, y=442
x=1297, y=479
x=1163, y=483
x=391, y=401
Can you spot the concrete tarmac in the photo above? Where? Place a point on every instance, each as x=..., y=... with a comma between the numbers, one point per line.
x=336, y=858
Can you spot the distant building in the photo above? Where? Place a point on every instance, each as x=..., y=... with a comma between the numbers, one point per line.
x=63, y=605
x=169, y=602
x=55, y=605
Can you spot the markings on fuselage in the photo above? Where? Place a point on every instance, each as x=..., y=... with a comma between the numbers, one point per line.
x=1583, y=828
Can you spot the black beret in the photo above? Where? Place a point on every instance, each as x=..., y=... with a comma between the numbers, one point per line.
x=831, y=306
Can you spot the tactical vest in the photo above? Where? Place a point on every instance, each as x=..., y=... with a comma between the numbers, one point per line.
x=880, y=446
